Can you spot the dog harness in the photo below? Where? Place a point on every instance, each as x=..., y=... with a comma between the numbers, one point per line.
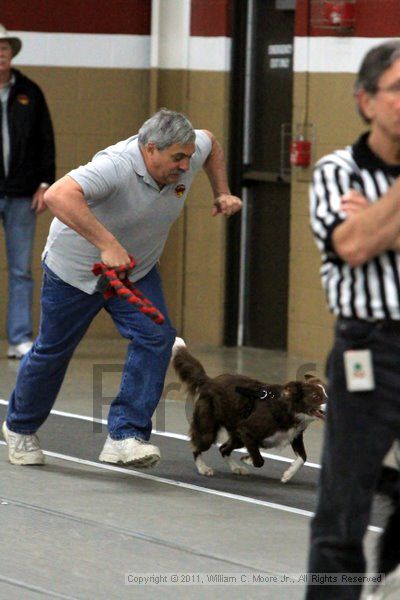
x=110, y=284
x=267, y=393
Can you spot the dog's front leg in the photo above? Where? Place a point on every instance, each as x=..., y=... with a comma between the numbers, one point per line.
x=252, y=447
x=256, y=457
x=301, y=457
x=226, y=449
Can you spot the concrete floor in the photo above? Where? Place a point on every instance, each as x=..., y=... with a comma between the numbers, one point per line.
x=76, y=528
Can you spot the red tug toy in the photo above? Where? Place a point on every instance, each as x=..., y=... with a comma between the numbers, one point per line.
x=110, y=283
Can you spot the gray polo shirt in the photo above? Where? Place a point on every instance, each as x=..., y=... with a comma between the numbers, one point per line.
x=128, y=202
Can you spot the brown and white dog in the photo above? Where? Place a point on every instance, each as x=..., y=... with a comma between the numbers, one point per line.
x=255, y=414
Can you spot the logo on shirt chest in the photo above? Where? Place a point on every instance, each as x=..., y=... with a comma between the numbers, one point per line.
x=180, y=190
x=23, y=99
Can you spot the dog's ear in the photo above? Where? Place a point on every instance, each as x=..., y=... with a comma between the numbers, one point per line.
x=308, y=376
x=294, y=390
x=315, y=380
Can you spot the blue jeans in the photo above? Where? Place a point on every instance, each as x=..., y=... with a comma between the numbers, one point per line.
x=66, y=315
x=19, y=227
x=360, y=429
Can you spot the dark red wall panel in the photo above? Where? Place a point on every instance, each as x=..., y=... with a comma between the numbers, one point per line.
x=77, y=16
x=373, y=18
x=211, y=18
x=302, y=18
x=378, y=18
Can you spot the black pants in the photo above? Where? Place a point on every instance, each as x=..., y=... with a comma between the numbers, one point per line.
x=360, y=429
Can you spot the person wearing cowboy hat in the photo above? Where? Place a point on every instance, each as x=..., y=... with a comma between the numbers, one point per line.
x=27, y=168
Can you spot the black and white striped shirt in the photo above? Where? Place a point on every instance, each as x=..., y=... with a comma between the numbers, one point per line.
x=372, y=290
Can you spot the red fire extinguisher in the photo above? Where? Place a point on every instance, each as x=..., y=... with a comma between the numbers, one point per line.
x=300, y=153
x=339, y=14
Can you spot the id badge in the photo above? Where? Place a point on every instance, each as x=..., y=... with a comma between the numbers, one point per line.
x=359, y=370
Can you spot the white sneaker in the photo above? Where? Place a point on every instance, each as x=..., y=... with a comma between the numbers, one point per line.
x=19, y=350
x=130, y=451
x=22, y=449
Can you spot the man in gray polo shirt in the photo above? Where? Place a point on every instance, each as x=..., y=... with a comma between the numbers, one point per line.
x=121, y=204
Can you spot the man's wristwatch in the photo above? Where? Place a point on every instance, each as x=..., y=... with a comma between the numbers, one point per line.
x=44, y=185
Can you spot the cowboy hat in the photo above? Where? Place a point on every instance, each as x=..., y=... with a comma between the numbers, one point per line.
x=14, y=42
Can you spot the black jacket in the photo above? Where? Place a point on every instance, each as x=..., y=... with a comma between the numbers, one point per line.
x=32, y=154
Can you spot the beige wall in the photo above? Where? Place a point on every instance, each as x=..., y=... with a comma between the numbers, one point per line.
x=332, y=111
x=93, y=108
x=193, y=264
x=90, y=109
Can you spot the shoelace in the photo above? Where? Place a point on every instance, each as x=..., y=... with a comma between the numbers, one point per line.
x=123, y=443
x=27, y=443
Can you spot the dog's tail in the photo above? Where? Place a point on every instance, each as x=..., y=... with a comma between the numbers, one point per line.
x=189, y=370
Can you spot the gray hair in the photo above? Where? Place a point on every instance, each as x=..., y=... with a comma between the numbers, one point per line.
x=375, y=63
x=165, y=128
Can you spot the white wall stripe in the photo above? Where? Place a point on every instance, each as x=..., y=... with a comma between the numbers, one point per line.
x=210, y=53
x=313, y=54
x=83, y=50
x=123, y=51
x=331, y=54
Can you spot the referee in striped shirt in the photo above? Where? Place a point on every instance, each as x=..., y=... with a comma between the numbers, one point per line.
x=355, y=218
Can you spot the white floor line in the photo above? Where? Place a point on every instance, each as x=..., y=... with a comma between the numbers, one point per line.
x=168, y=434
x=187, y=486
